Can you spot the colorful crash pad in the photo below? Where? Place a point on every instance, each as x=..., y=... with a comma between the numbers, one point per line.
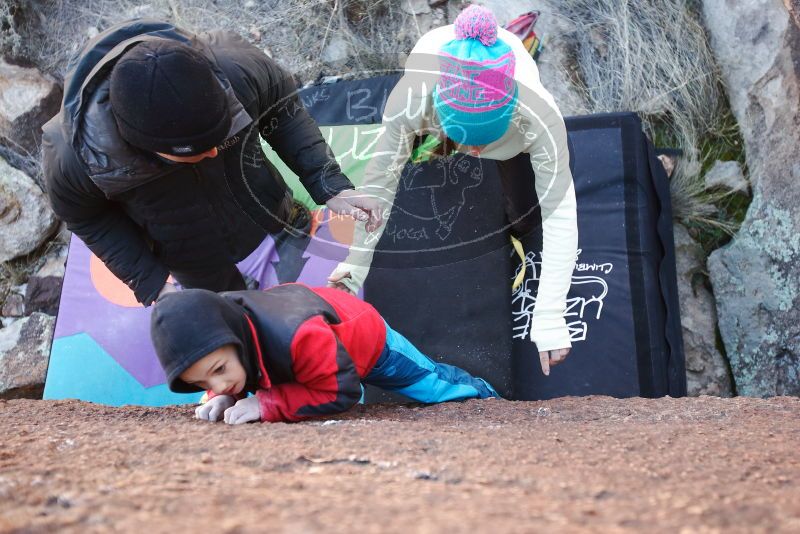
x=452, y=297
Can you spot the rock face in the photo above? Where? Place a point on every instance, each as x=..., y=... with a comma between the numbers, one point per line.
x=727, y=175
x=794, y=10
x=756, y=277
x=13, y=305
x=43, y=294
x=43, y=290
x=416, y=7
x=707, y=370
x=27, y=101
x=25, y=216
x=336, y=52
x=24, y=355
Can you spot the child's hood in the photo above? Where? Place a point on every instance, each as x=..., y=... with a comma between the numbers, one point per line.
x=188, y=324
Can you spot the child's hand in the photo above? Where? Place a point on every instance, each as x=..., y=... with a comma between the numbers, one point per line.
x=214, y=408
x=335, y=281
x=244, y=411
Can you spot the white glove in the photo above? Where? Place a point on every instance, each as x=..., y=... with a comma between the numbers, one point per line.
x=214, y=409
x=244, y=411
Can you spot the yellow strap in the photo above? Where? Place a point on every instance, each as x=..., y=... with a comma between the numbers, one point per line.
x=521, y=253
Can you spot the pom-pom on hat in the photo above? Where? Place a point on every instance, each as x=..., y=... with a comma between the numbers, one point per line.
x=476, y=93
x=477, y=22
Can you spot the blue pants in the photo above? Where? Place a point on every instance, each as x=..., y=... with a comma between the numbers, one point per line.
x=402, y=368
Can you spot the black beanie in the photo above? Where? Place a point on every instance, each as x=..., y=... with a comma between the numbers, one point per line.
x=167, y=99
x=187, y=325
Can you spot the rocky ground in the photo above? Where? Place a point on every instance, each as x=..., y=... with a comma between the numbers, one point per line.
x=591, y=464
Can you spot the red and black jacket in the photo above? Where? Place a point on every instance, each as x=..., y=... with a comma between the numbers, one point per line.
x=311, y=346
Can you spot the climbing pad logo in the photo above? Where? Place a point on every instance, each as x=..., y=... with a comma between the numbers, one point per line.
x=582, y=310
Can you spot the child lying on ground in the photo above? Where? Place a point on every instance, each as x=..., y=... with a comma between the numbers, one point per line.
x=303, y=351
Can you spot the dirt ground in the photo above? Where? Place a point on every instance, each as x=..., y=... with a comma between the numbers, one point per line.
x=568, y=465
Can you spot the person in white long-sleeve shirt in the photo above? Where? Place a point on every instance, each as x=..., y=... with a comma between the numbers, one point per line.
x=475, y=86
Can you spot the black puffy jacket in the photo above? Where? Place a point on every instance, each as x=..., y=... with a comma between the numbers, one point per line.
x=144, y=216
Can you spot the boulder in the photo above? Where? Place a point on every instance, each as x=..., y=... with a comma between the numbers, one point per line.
x=24, y=355
x=415, y=7
x=727, y=175
x=29, y=165
x=707, y=370
x=756, y=277
x=53, y=264
x=794, y=10
x=43, y=294
x=14, y=304
x=28, y=99
x=26, y=220
x=336, y=52
x=5, y=322
x=62, y=235
x=43, y=291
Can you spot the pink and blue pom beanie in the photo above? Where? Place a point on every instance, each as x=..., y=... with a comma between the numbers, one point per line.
x=476, y=93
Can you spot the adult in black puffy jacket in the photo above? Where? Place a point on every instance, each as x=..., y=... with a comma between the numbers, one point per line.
x=155, y=160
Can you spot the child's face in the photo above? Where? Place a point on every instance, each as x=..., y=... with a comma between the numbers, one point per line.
x=220, y=371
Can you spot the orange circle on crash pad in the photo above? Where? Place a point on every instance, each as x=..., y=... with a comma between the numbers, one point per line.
x=342, y=228
x=109, y=286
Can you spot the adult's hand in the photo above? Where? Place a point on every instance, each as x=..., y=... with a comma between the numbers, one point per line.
x=549, y=358
x=214, y=408
x=244, y=411
x=359, y=206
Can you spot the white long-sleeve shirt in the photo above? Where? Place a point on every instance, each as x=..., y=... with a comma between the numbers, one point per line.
x=536, y=128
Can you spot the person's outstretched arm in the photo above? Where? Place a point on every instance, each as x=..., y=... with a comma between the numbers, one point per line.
x=555, y=190
x=295, y=137
x=281, y=118
x=288, y=128
x=408, y=112
x=380, y=183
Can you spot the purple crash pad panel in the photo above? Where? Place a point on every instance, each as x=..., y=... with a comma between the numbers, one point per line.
x=96, y=304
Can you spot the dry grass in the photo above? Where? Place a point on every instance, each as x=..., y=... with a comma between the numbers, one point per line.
x=653, y=57
x=648, y=56
x=10, y=39
x=377, y=33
